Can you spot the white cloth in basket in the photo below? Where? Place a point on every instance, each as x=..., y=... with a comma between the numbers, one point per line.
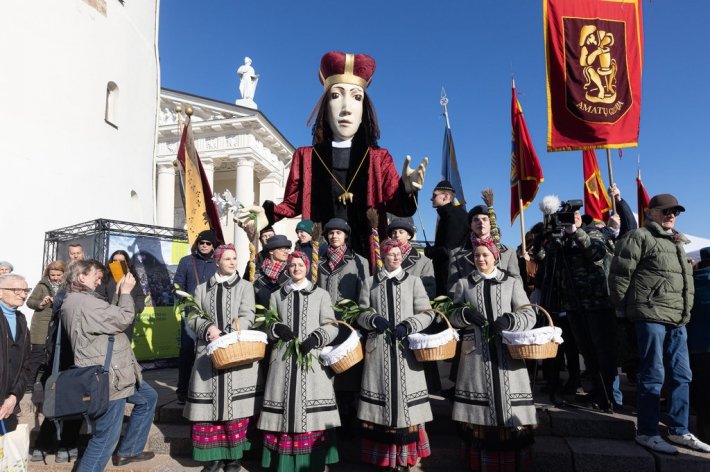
x=424, y=341
x=247, y=335
x=332, y=354
x=534, y=336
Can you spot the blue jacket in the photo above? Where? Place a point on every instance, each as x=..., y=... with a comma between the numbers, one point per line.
x=699, y=325
x=193, y=270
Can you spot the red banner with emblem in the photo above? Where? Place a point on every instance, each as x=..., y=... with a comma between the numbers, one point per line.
x=594, y=52
x=596, y=200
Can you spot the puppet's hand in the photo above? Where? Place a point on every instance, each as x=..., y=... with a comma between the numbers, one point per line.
x=413, y=179
x=252, y=220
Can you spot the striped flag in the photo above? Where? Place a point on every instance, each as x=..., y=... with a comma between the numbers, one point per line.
x=596, y=200
x=200, y=210
x=449, y=167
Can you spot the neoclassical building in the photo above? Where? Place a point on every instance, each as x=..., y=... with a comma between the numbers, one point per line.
x=240, y=149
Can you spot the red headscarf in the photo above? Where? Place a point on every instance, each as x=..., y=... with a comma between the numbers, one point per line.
x=487, y=242
x=298, y=255
x=219, y=252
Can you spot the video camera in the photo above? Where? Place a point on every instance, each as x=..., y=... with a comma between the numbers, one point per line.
x=564, y=216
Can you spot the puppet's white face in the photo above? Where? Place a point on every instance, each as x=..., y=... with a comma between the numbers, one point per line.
x=345, y=110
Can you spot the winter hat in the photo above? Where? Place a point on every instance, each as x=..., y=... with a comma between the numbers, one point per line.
x=278, y=241
x=401, y=223
x=306, y=226
x=337, y=223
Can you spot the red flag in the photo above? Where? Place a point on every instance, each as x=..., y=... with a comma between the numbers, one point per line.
x=596, y=200
x=525, y=169
x=594, y=51
x=200, y=210
x=642, y=199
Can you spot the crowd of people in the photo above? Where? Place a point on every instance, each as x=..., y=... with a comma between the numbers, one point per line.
x=622, y=295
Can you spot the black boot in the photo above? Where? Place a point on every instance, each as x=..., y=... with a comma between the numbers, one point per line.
x=232, y=466
x=213, y=466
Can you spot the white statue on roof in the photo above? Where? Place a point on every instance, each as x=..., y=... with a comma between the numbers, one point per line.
x=248, y=79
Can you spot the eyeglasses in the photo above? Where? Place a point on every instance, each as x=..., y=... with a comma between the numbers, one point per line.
x=671, y=211
x=17, y=291
x=205, y=243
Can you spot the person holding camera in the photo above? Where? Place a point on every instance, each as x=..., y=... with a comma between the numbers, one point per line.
x=581, y=253
x=90, y=322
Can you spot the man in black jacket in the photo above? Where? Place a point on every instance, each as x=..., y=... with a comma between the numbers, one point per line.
x=450, y=231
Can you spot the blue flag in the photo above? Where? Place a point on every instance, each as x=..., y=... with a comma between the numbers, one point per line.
x=449, y=167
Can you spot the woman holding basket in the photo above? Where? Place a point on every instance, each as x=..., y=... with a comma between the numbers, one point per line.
x=394, y=401
x=300, y=412
x=492, y=402
x=220, y=403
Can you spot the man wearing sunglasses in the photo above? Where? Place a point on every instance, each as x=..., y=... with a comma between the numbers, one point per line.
x=194, y=269
x=652, y=281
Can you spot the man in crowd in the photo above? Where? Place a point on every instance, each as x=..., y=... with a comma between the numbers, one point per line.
x=451, y=231
x=193, y=269
x=75, y=252
x=652, y=280
x=304, y=236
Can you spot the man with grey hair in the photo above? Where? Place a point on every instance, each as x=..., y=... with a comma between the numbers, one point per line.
x=14, y=346
x=6, y=267
x=651, y=279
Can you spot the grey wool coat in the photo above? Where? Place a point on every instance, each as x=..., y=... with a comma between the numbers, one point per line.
x=492, y=388
x=462, y=264
x=418, y=264
x=347, y=277
x=394, y=391
x=298, y=399
x=224, y=394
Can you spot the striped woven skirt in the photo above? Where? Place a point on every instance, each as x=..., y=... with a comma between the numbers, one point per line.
x=218, y=440
x=293, y=452
x=493, y=449
x=390, y=447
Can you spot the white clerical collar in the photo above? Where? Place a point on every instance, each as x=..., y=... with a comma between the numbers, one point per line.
x=342, y=144
x=492, y=275
x=392, y=274
x=298, y=286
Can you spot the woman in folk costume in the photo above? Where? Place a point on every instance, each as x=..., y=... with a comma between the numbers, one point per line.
x=482, y=223
x=394, y=401
x=492, y=401
x=272, y=274
x=220, y=403
x=345, y=173
x=299, y=411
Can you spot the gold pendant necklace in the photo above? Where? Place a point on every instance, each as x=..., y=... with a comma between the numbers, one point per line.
x=347, y=196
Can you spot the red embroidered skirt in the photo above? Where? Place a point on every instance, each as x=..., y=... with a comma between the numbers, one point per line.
x=387, y=454
x=218, y=440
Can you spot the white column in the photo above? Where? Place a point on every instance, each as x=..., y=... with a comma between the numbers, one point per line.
x=166, y=194
x=208, y=165
x=270, y=188
x=244, y=193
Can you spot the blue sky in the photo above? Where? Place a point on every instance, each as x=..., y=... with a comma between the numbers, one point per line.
x=472, y=48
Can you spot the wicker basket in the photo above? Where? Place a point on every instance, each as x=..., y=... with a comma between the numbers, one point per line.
x=534, y=351
x=439, y=353
x=238, y=353
x=351, y=358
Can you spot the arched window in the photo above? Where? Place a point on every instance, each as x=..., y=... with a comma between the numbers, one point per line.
x=111, y=115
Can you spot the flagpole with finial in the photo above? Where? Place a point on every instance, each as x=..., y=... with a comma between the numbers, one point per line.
x=521, y=210
x=611, y=177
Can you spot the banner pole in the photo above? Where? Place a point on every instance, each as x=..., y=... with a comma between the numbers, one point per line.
x=178, y=110
x=522, y=218
x=611, y=177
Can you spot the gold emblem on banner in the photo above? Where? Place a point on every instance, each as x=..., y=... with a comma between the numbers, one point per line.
x=598, y=64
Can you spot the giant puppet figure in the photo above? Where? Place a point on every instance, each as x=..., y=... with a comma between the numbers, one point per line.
x=345, y=172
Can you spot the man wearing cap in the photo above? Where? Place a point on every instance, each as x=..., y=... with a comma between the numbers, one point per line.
x=462, y=264
x=304, y=236
x=272, y=275
x=652, y=280
x=192, y=270
x=341, y=271
x=451, y=231
x=345, y=173
x=413, y=262
x=264, y=235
